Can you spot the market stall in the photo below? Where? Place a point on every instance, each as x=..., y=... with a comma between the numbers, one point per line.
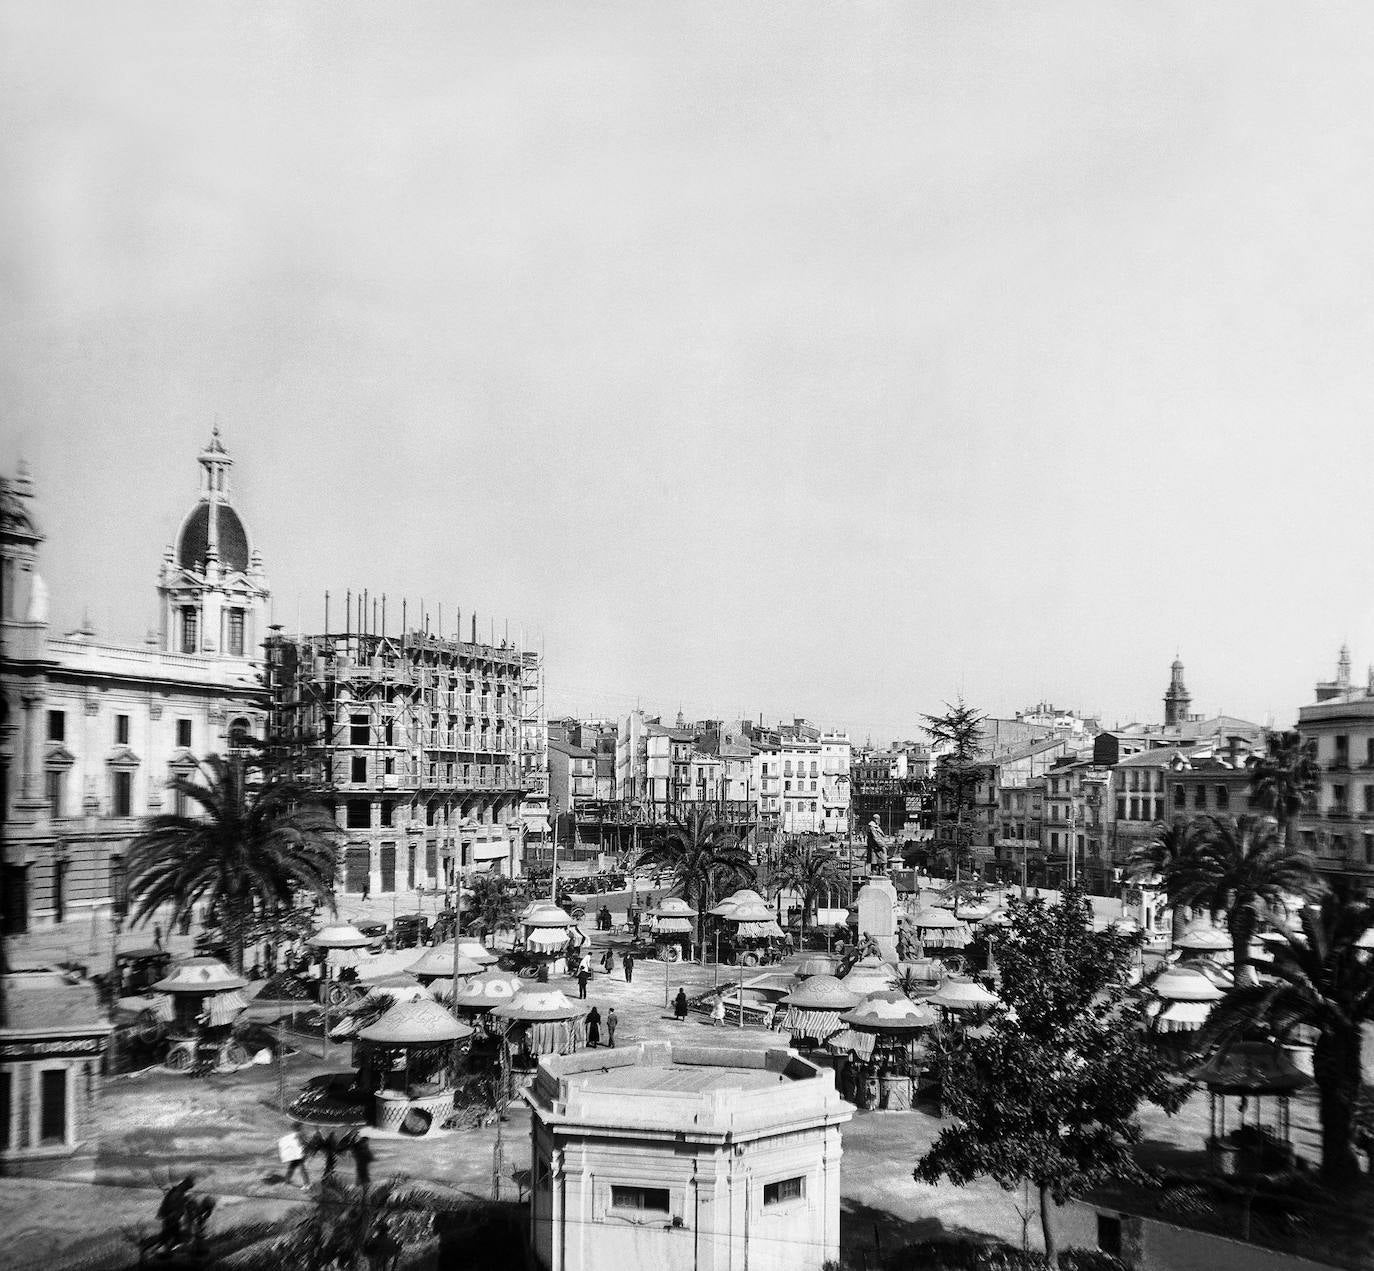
x=199, y=1003
x=409, y=1061
x=885, y=1044
x=541, y=1022
x=670, y=929
x=1249, y=1072
x=814, y=1008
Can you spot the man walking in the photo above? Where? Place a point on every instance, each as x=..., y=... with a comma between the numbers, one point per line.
x=628, y=962
x=292, y=1153
x=611, y=1021
x=583, y=975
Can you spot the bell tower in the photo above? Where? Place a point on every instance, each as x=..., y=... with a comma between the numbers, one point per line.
x=1176, y=699
x=212, y=587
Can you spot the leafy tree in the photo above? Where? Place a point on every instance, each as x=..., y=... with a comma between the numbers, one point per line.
x=1240, y=869
x=1283, y=781
x=1161, y=859
x=956, y=773
x=1322, y=979
x=811, y=869
x=1050, y=1096
x=704, y=857
x=262, y=842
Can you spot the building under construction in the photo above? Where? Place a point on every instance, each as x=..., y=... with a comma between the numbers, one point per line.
x=432, y=749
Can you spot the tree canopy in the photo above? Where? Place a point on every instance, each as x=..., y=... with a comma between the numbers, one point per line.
x=1050, y=1093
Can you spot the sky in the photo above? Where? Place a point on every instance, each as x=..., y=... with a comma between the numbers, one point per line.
x=826, y=360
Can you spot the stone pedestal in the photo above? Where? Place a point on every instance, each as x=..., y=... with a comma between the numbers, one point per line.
x=877, y=904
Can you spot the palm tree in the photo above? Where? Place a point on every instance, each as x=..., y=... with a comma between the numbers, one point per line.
x=493, y=902
x=262, y=840
x=704, y=857
x=1160, y=859
x=1322, y=979
x=809, y=869
x=1242, y=869
x=1284, y=780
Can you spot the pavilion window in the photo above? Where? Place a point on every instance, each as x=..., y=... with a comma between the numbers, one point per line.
x=643, y=1199
x=783, y=1190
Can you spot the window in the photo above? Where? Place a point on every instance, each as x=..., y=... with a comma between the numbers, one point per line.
x=387, y=811
x=1054, y=842
x=389, y=767
x=52, y=1123
x=57, y=725
x=1223, y=798
x=1338, y=798
x=236, y=633
x=783, y=1190
x=389, y=732
x=1159, y=809
x=1180, y=797
x=190, y=629
x=1342, y=751
x=1369, y=752
x=123, y=793
x=184, y=734
x=1135, y=809
x=1369, y=798
x=358, y=731
x=429, y=814
x=359, y=772
x=1369, y=849
x=1200, y=797
x=815, y=770
x=56, y=788
x=118, y=890
x=1121, y=807
x=121, y=730
x=358, y=814
x=647, y=1199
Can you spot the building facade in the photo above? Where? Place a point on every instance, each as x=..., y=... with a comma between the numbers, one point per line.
x=421, y=742
x=94, y=730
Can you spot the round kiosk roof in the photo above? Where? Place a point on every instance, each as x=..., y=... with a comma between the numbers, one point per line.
x=200, y=975
x=418, y=1023
x=822, y=993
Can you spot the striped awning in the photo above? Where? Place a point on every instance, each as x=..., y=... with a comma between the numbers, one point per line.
x=1183, y=1017
x=804, y=1023
x=162, y=1007
x=757, y=930
x=224, y=1008
x=850, y=1041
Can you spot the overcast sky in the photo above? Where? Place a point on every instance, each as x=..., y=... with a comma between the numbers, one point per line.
x=814, y=359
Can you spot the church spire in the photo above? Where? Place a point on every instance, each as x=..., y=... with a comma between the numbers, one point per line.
x=1177, y=699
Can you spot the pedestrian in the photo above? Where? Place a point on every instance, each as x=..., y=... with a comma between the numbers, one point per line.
x=583, y=975
x=173, y=1209
x=593, y=1028
x=718, y=1012
x=543, y=974
x=611, y=1021
x=367, y=888
x=680, y=1004
x=634, y=921
x=292, y=1152
x=362, y=1160
x=328, y=1146
x=608, y=962
x=628, y=962
x=157, y=936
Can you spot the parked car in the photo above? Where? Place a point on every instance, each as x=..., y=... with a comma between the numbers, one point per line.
x=409, y=931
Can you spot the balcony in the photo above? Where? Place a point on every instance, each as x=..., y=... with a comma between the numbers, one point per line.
x=1341, y=763
x=1339, y=813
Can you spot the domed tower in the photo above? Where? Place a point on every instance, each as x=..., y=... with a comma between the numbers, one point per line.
x=1177, y=699
x=213, y=590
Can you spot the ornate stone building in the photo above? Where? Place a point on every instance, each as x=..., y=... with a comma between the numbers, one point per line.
x=92, y=730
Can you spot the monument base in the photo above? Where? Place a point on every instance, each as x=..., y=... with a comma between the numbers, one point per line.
x=877, y=904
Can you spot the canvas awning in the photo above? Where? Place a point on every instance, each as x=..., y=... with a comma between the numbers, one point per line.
x=1183, y=1017
x=851, y=1042
x=757, y=930
x=224, y=1008
x=817, y=1024
x=545, y=939
x=670, y=926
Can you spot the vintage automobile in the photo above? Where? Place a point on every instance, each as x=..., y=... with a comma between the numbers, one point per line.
x=409, y=931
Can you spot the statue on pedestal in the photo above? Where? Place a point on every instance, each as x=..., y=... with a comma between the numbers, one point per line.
x=879, y=846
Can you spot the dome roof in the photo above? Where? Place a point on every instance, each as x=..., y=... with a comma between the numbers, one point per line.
x=546, y=914
x=807, y=964
x=934, y=919
x=200, y=975
x=892, y=1011
x=822, y=993
x=673, y=907
x=869, y=975
x=960, y=993
x=417, y=1023
x=750, y=911
x=439, y=961
x=1251, y=1068
x=531, y=1006
x=194, y=539
x=476, y=951
x=1186, y=984
x=489, y=989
